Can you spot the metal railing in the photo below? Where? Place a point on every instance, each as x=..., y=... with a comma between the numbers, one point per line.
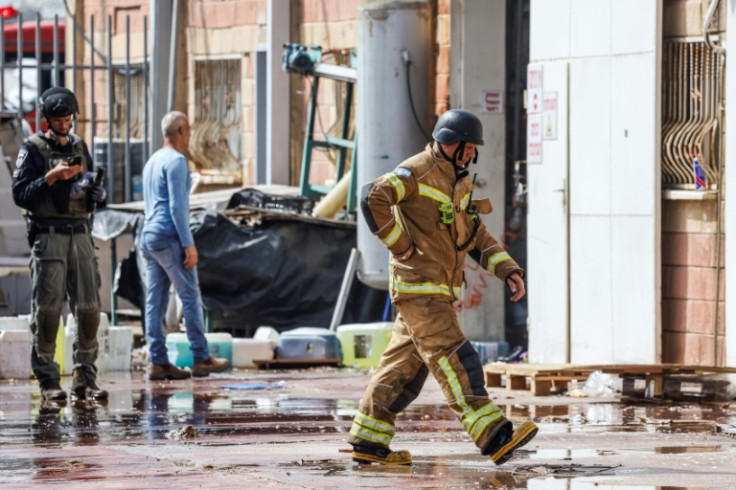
x=53, y=70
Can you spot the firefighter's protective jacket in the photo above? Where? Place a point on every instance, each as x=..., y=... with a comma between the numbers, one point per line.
x=424, y=203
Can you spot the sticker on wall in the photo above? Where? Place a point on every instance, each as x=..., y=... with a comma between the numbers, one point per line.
x=549, y=115
x=492, y=101
x=534, y=138
x=534, y=89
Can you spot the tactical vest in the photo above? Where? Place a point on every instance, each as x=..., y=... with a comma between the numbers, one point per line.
x=46, y=208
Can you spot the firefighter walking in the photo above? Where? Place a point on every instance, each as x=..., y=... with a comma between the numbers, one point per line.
x=423, y=212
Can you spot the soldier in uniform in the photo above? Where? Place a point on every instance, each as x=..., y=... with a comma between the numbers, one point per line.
x=424, y=213
x=55, y=184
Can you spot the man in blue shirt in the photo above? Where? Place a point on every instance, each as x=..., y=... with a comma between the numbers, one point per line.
x=171, y=257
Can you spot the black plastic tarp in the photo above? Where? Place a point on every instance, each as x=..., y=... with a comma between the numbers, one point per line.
x=284, y=273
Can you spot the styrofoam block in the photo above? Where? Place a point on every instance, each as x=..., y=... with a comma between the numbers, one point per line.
x=15, y=323
x=268, y=334
x=15, y=354
x=246, y=350
x=120, y=345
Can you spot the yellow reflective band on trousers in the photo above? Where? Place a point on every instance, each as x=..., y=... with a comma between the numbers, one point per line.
x=497, y=259
x=398, y=185
x=422, y=288
x=431, y=192
x=371, y=429
x=474, y=421
x=393, y=236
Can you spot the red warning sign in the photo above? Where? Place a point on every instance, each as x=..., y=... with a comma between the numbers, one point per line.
x=492, y=102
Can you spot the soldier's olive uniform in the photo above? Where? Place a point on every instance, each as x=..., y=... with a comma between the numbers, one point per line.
x=63, y=262
x=424, y=202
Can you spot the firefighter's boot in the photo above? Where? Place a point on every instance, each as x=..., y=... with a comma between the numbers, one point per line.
x=522, y=435
x=380, y=455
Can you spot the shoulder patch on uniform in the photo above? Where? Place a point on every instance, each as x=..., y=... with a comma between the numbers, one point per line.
x=402, y=172
x=22, y=155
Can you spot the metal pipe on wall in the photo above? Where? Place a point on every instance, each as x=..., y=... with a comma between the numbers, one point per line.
x=160, y=39
x=19, y=63
x=55, y=72
x=110, y=108
x=128, y=184
x=92, y=108
x=173, y=53
x=145, y=91
x=38, y=67
x=73, y=55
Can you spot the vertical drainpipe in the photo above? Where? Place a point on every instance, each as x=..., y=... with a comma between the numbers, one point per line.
x=277, y=94
x=161, y=15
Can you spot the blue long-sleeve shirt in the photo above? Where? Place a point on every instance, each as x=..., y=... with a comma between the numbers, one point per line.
x=166, y=184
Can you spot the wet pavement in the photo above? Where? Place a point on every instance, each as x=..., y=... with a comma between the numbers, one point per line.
x=287, y=429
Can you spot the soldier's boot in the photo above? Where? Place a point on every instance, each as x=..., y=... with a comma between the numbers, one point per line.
x=522, y=435
x=51, y=390
x=380, y=455
x=85, y=386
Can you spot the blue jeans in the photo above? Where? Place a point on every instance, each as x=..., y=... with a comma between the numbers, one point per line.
x=165, y=265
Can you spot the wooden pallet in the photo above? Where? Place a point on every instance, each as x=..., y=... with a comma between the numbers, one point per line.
x=638, y=379
x=539, y=379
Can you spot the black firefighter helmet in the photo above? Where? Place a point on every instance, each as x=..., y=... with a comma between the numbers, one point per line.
x=58, y=102
x=458, y=125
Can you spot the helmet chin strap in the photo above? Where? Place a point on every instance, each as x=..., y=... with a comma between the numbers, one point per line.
x=456, y=154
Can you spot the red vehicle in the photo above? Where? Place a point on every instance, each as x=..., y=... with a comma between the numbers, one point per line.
x=28, y=53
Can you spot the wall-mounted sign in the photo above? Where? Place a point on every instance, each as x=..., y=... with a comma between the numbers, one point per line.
x=549, y=115
x=492, y=101
x=534, y=87
x=534, y=138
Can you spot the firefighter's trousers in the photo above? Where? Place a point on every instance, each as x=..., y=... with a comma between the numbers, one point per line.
x=427, y=338
x=64, y=266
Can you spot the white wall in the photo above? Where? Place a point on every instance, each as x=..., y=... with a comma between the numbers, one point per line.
x=477, y=63
x=730, y=211
x=612, y=51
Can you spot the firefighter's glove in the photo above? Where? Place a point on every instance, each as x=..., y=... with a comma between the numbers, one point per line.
x=98, y=194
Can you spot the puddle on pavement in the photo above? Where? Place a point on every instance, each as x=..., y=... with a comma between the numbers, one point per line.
x=445, y=472
x=149, y=413
x=575, y=454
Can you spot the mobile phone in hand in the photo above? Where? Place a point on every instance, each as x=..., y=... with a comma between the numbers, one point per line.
x=75, y=160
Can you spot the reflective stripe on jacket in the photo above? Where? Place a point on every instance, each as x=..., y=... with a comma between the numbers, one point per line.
x=402, y=208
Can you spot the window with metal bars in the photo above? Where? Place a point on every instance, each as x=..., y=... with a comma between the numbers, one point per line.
x=137, y=107
x=216, y=130
x=692, y=114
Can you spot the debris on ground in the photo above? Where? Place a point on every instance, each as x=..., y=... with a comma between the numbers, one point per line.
x=564, y=469
x=726, y=429
x=184, y=432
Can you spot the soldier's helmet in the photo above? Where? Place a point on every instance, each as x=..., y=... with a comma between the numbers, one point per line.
x=458, y=125
x=58, y=102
